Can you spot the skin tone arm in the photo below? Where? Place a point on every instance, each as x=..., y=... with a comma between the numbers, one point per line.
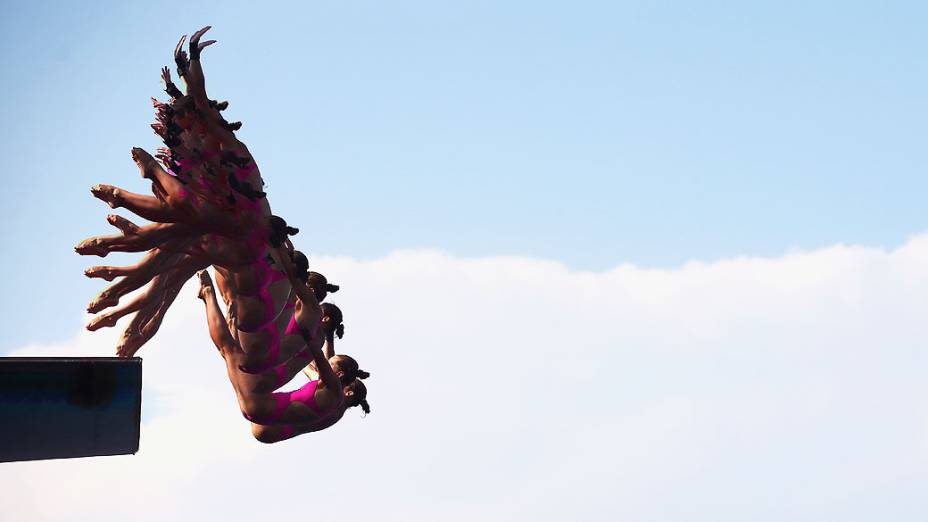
x=196, y=83
x=326, y=373
x=329, y=350
x=329, y=344
x=310, y=372
x=303, y=291
x=169, y=86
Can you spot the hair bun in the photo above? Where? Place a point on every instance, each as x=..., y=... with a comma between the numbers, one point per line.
x=301, y=262
x=278, y=227
x=330, y=288
x=361, y=374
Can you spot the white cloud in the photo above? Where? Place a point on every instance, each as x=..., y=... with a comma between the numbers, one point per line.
x=511, y=388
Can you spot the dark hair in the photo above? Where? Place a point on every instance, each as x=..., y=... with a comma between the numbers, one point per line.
x=335, y=318
x=359, y=391
x=301, y=262
x=279, y=230
x=347, y=364
x=320, y=285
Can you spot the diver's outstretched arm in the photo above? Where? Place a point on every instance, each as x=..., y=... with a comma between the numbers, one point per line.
x=303, y=291
x=326, y=374
x=196, y=82
x=169, y=87
x=329, y=351
x=329, y=344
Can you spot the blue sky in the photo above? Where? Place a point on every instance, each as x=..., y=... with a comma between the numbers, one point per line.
x=592, y=135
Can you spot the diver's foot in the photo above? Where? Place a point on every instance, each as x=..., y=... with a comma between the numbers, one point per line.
x=145, y=162
x=101, y=302
x=206, y=285
x=107, y=194
x=102, y=272
x=124, y=225
x=91, y=247
x=129, y=344
x=102, y=321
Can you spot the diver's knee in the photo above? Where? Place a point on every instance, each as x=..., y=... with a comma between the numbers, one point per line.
x=264, y=434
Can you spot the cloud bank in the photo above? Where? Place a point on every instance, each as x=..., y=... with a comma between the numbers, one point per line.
x=510, y=388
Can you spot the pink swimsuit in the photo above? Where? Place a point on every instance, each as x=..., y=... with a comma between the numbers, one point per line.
x=305, y=395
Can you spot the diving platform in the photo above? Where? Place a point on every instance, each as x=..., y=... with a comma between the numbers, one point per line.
x=67, y=407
